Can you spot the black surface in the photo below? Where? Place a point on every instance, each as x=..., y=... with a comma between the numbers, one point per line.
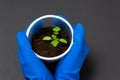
x=101, y=19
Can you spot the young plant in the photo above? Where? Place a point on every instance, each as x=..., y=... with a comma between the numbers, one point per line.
x=54, y=37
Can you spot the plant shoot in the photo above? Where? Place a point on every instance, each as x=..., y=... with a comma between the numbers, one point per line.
x=54, y=37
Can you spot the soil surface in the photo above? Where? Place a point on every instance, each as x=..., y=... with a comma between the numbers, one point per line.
x=44, y=48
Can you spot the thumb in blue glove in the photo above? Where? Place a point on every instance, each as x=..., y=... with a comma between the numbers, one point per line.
x=69, y=66
x=32, y=67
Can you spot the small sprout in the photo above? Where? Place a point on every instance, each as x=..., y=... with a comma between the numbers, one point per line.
x=55, y=43
x=56, y=33
x=56, y=29
x=47, y=38
x=55, y=40
x=54, y=36
x=63, y=40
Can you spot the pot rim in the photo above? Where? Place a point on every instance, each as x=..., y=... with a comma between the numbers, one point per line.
x=60, y=18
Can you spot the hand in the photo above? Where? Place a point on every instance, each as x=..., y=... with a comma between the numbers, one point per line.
x=70, y=65
x=32, y=67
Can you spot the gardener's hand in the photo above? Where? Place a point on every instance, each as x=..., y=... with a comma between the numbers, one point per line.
x=32, y=67
x=70, y=65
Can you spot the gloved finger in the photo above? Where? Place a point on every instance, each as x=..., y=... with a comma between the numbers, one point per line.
x=25, y=47
x=39, y=23
x=21, y=61
x=85, y=48
x=23, y=43
x=20, y=57
x=70, y=65
x=58, y=22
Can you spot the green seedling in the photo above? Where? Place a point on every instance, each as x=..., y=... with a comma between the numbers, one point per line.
x=54, y=37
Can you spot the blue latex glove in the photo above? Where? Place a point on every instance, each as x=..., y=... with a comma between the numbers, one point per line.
x=70, y=65
x=32, y=67
x=67, y=69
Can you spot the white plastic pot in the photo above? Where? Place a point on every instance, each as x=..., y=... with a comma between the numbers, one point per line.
x=48, y=21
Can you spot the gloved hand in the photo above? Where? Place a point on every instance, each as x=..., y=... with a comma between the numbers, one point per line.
x=70, y=65
x=32, y=67
x=67, y=69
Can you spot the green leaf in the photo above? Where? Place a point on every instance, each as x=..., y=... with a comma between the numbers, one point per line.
x=47, y=38
x=54, y=36
x=56, y=33
x=57, y=39
x=63, y=40
x=55, y=43
x=56, y=29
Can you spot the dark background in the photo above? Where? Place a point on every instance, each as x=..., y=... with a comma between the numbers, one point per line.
x=101, y=19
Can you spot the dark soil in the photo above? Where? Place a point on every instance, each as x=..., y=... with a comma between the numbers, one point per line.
x=44, y=48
